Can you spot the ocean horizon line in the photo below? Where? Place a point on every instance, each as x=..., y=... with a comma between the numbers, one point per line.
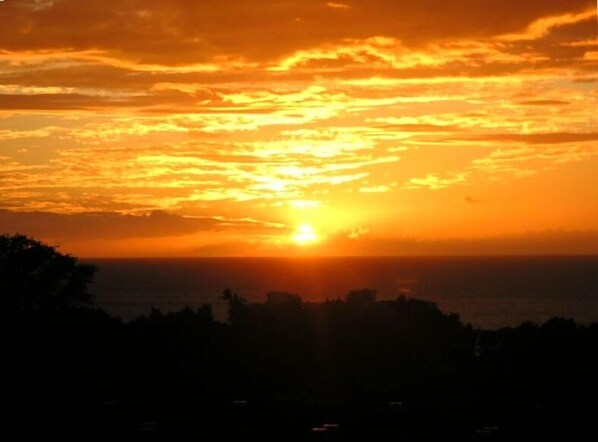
x=439, y=256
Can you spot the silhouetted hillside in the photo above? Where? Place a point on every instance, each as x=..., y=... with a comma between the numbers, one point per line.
x=284, y=369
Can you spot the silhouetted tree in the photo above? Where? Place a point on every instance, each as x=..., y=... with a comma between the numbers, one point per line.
x=354, y=369
x=35, y=276
x=237, y=306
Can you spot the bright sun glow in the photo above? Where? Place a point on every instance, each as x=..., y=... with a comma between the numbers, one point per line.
x=348, y=134
x=305, y=234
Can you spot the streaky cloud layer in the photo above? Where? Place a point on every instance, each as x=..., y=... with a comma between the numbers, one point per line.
x=220, y=127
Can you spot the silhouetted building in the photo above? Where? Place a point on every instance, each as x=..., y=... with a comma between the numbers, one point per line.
x=362, y=295
x=418, y=304
x=283, y=298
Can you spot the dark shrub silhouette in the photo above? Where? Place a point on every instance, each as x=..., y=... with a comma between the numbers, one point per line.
x=34, y=276
x=354, y=369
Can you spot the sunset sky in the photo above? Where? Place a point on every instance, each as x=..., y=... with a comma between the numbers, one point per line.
x=300, y=127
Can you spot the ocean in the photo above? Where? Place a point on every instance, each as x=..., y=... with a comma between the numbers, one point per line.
x=487, y=292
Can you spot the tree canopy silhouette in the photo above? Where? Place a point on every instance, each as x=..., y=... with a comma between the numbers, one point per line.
x=283, y=369
x=35, y=276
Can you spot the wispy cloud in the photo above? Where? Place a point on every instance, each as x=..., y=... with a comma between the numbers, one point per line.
x=233, y=110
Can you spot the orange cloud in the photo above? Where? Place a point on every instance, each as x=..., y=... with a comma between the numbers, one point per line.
x=240, y=110
x=337, y=5
x=171, y=32
x=114, y=226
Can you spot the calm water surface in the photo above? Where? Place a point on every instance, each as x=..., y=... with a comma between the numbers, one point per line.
x=489, y=292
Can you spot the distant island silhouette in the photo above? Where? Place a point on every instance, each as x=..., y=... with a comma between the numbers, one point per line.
x=344, y=369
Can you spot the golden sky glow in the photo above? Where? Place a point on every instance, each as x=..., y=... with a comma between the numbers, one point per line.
x=231, y=127
x=305, y=235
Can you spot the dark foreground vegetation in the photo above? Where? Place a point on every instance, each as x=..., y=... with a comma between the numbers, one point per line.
x=355, y=369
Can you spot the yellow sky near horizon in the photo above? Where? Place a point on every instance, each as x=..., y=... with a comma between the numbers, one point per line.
x=237, y=128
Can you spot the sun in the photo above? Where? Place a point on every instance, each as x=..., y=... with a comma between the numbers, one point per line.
x=304, y=234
